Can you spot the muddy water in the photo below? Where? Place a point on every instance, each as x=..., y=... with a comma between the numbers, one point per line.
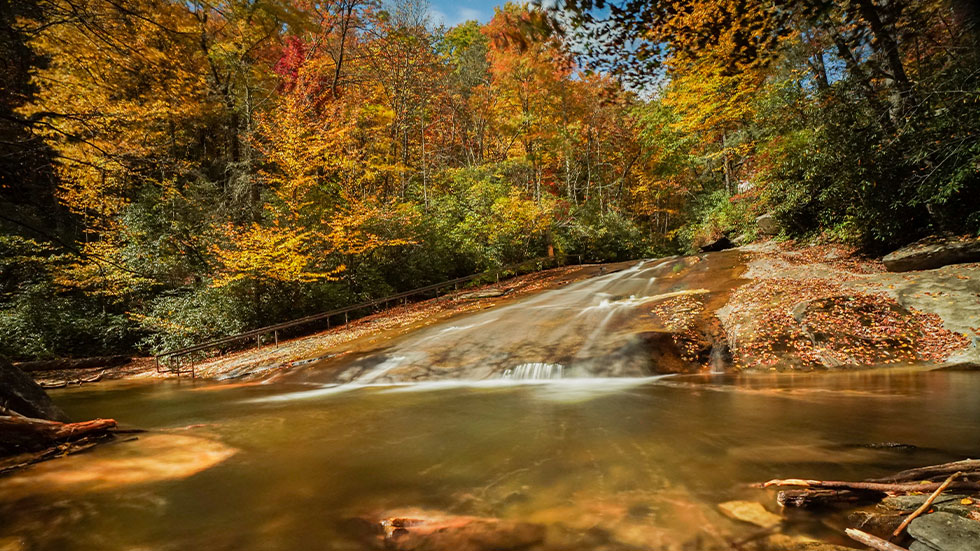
x=602, y=464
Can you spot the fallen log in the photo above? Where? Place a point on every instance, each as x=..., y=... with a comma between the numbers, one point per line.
x=24, y=435
x=873, y=542
x=967, y=466
x=65, y=382
x=73, y=363
x=869, y=486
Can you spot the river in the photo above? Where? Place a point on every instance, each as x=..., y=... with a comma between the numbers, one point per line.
x=603, y=464
x=515, y=417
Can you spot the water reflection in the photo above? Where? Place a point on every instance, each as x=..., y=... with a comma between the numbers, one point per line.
x=603, y=464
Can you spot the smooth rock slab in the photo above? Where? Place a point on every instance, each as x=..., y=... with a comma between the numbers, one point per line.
x=946, y=532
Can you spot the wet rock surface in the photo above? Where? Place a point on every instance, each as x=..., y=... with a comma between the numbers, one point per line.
x=751, y=512
x=945, y=503
x=946, y=532
x=933, y=252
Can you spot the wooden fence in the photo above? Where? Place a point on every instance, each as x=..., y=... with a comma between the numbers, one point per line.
x=174, y=360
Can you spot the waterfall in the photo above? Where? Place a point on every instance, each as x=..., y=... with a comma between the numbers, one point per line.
x=536, y=371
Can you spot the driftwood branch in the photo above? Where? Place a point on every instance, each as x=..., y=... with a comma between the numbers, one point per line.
x=64, y=383
x=925, y=506
x=967, y=466
x=869, y=486
x=873, y=542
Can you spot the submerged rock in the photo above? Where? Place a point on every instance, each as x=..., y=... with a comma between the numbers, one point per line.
x=946, y=532
x=751, y=512
x=785, y=542
x=19, y=392
x=933, y=252
x=421, y=531
x=151, y=458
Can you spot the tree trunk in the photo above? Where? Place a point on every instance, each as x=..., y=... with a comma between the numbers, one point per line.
x=886, y=44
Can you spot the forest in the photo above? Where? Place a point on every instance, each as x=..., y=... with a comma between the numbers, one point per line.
x=175, y=171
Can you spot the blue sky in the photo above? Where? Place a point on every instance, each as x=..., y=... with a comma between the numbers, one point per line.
x=452, y=12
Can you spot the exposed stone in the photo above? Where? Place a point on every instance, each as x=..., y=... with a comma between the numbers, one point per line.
x=933, y=252
x=719, y=244
x=946, y=532
x=767, y=224
x=911, y=503
x=919, y=546
x=751, y=512
x=19, y=393
x=875, y=522
x=665, y=353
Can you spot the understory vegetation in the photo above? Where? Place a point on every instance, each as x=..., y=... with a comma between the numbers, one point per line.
x=175, y=171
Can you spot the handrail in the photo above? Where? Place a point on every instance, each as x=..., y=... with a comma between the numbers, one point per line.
x=275, y=328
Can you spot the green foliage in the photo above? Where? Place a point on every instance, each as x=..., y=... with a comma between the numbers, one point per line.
x=715, y=215
x=603, y=236
x=40, y=319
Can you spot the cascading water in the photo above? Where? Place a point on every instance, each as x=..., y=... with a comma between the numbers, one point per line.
x=535, y=371
x=596, y=327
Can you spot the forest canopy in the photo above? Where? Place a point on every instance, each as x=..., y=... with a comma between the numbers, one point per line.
x=172, y=171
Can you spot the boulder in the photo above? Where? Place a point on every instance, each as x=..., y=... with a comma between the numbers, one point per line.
x=19, y=393
x=719, y=244
x=767, y=225
x=946, y=532
x=933, y=252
